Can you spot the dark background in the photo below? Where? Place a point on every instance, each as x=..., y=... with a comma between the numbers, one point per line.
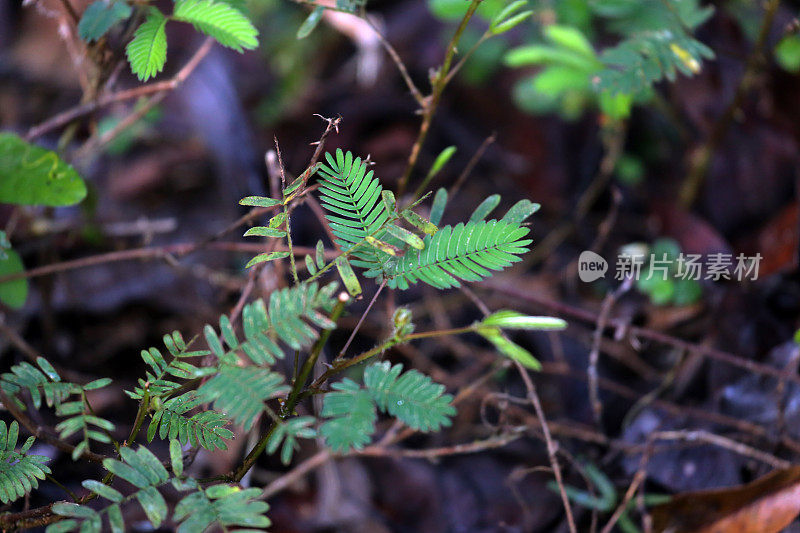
x=183, y=172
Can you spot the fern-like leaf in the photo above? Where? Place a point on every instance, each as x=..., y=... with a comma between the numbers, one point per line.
x=289, y=320
x=19, y=472
x=658, y=42
x=241, y=391
x=637, y=63
x=147, y=52
x=80, y=420
x=352, y=197
x=411, y=397
x=141, y=469
x=288, y=432
x=206, y=428
x=467, y=251
x=352, y=416
x=158, y=378
x=219, y=20
x=225, y=505
x=43, y=382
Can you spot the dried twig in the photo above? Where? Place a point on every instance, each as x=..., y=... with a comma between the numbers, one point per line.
x=76, y=112
x=462, y=178
x=43, y=434
x=594, y=355
x=634, y=333
x=457, y=449
x=701, y=157
x=551, y=445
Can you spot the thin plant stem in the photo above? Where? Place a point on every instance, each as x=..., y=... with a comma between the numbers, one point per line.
x=343, y=364
x=361, y=320
x=701, y=158
x=415, y=92
x=460, y=64
x=84, y=109
x=551, y=445
x=432, y=101
x=294, y=395
x=58, y=484
x=144, y=405
x=287, y=214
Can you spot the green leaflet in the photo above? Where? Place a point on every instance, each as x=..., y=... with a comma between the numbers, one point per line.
x=508, y=348
x=348, y=276
x=147, y=52
x=441, y=160
x=261, y=258
x=13, y=293
x=352, y=417
x=310, y=23
x=100, y=16
x=30, y=175
x=219, y=20
x=439, y=203
x=514, y=320
x=259, y=201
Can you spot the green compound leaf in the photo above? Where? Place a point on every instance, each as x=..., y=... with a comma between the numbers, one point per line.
x=100, y=16
x=147, y=52
x=13, y=293
x=288, y=432
x=240, y=392
x=172, y=421
x=352, y=417
x=44, y=383
x=30, y=175
x=225, y=505
x=467, y=251
x=19, y=473
x=411, y=397
x=224, y=23
x=355, y=208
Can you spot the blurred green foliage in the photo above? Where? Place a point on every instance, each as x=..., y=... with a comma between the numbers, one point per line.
x=662, y=281
x=574, y=75
x=787, y=53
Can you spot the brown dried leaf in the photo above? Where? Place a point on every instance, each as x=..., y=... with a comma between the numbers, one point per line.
x=766, y=505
